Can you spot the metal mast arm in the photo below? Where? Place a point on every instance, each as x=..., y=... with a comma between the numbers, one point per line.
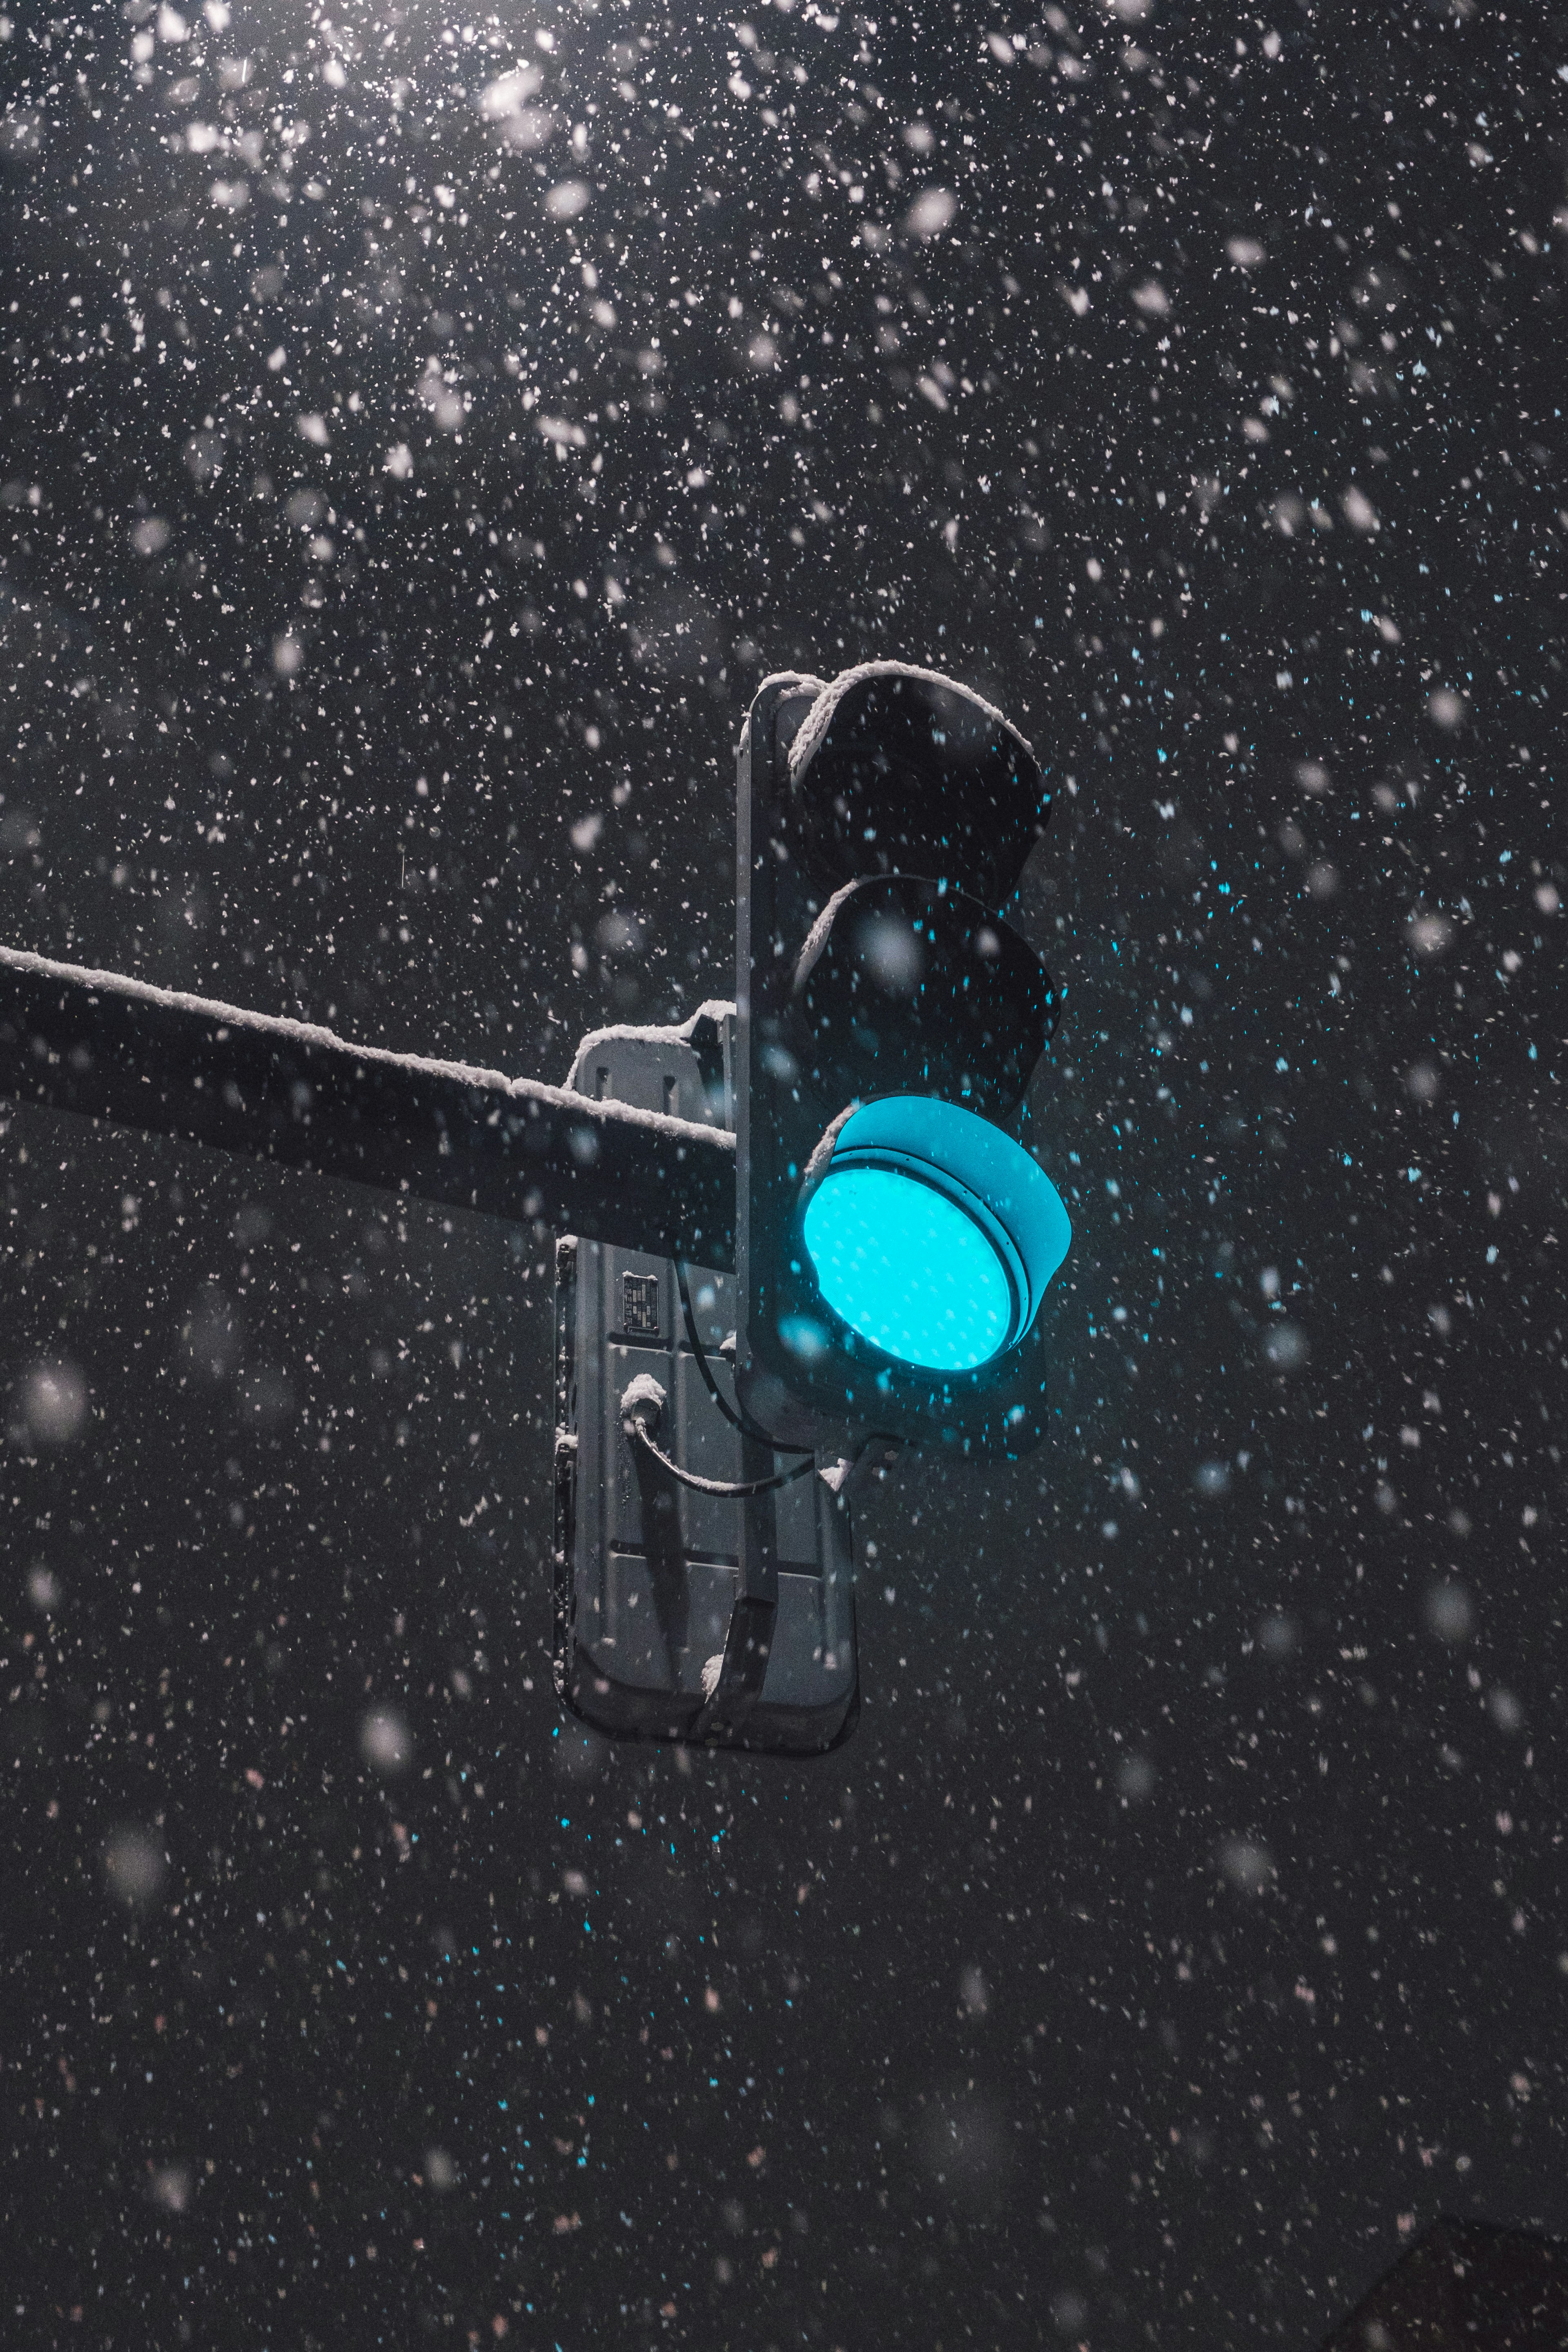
x=119, y=1051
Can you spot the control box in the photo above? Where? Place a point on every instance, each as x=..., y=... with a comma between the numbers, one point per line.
x=683, y=1613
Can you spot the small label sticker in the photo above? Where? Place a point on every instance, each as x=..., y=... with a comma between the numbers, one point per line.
x=640, y=1305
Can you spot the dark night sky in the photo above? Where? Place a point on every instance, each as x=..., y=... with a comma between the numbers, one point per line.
x=421, y=434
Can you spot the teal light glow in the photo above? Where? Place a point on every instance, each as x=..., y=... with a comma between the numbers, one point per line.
x=931, y=1233
x=909, y=1268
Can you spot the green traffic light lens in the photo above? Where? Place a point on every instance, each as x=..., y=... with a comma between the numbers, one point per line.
x=932, y=1234
x=908, y=1269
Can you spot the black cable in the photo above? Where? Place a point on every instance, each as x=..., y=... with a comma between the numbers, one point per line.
x=638, y=1435
x=740, y=1420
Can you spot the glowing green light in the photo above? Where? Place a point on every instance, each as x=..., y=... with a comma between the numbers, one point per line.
x=932, y=1235
x=909, y=1268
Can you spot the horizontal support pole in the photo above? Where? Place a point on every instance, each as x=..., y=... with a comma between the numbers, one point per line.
x=117, y=1050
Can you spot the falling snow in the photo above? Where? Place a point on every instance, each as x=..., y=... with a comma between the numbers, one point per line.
x=424, y=431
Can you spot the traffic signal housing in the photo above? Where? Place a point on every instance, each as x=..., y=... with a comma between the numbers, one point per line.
x=894, y=1235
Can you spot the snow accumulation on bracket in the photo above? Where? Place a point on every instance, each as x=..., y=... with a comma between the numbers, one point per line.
x=118, y=1050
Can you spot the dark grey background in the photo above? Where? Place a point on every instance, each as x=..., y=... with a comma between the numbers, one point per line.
x=1183, y=1930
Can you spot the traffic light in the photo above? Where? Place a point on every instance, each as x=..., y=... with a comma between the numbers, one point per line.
x=894, y=1236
